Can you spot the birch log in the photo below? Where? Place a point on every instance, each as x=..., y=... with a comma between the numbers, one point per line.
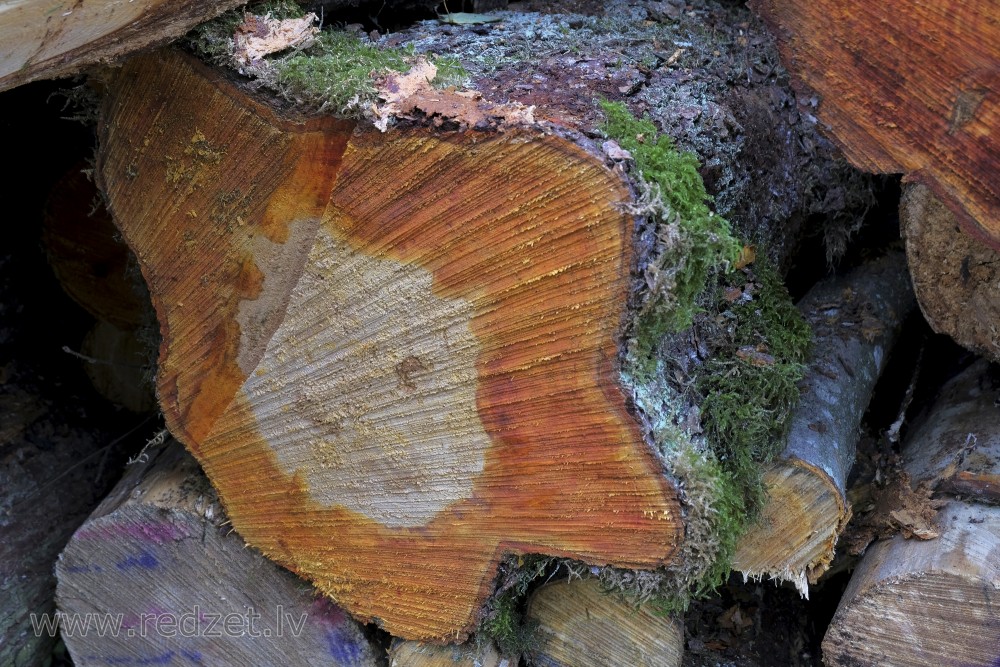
x=855, y=320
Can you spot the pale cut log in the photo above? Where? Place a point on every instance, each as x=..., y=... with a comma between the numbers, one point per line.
x=911, y=88
x=158, y=559
x=956, y=276
x=581, y=626
x=49, y=40
x=934, y=603
x=393, y=385
x=855, y=320
x=419, y=654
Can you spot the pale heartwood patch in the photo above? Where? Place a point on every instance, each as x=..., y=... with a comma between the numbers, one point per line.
x=395, y=354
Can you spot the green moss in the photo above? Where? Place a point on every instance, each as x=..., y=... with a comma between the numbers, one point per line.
x=503, y=620
x=691, y=240
x=337, y=73
x=213, y=40
x=750, y=384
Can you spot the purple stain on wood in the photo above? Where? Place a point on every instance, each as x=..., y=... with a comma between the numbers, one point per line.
x=158, y=533
x=324, y=611
x=144, y=560
x=195, y=657
x=342, y=646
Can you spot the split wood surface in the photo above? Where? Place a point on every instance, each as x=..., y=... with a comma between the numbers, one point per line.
x=855, y=320
x=911, y=88
x=406, y=340
x=159, y=556
x=925, y=603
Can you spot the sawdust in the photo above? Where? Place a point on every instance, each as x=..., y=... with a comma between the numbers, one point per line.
x=895, y=506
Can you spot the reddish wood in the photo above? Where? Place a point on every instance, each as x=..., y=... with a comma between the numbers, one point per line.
x=280, y=382
x=906, y=87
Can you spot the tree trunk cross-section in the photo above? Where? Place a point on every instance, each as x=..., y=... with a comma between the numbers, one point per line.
x=394, y=354
x=906, y=87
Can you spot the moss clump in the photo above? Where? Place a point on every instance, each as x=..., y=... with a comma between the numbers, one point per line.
x=337, y=73
x=503, y=620
x=749, y=385
x=213, y=40
x=691, y=240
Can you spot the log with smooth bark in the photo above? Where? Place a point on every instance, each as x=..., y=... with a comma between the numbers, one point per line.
x=395, y=354
x=911, y=88
x=924, y=603
x=855, y=319
x=955, y=275
x=579, y=625
x=158, y=555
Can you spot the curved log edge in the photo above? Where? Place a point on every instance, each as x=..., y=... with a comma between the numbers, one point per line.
x=956, y=277
x=394, y=386
x=912, y=89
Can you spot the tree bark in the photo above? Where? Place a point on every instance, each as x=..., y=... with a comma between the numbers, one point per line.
x=934, y=602
x=158, y=556
x=927, y=106
x=580, y=626
x=856, y=320
x=956, y=276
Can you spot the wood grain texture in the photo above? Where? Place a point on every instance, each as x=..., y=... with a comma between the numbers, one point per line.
x=394, y=354
x=956, y=276
x=419, y=654
x=935, y=602
x=580, y=626
x=855, y=321
x=49, y=40
x=908, y=87
x=158, y=556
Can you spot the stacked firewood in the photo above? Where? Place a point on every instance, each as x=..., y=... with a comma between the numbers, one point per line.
x=428, y=347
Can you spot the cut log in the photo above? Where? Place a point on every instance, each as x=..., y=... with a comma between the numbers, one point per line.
x=580, y=626
x=423, y=365
x=912, y=89
x=418, y=654
x=856, y=320
x=157, y=562
x=933, y=602
x=956, y=276
x=51, y=40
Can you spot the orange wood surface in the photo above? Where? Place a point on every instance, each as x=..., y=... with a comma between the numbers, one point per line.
x=911, y=87
x=525, y=228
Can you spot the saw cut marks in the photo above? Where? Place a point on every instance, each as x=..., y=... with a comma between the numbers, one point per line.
x=906, y=87
x=394, y=354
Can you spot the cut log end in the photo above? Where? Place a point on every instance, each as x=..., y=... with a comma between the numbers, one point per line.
x=927, y=105
x=804, y=515
x=924, y=604
x=581, y=626
x=157, y=556
x=422, y=364
x=956, y=276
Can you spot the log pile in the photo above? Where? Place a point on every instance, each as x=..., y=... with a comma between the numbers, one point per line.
x=432, y=321
x=929, y=597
